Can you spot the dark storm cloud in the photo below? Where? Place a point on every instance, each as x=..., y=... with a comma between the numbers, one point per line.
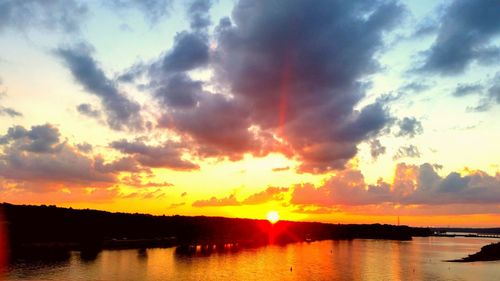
x=296, y=64
x=291, y=69
x=376, y=149
x=466, y=30
x=88, y=110
x=412, y=185
x=63, y=15
x=409, y=127
x=121, y=111
x=168, y=155
x=37, y=158
x=153, y=10
x=410, y=151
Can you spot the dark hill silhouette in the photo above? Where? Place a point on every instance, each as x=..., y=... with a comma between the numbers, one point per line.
x=35, y=229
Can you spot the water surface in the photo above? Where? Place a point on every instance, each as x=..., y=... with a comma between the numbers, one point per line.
x=419, y=259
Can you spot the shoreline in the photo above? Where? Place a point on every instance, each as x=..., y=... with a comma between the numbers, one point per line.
x=490, y=252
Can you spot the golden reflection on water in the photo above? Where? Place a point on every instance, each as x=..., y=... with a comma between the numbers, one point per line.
x=420, y=259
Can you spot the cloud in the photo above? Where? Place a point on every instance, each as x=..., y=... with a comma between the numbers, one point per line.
x=54, y=15
x=36, y=159
x=88, y=110
x=179, y=91
x=167, y=155
x=467, y=89
x=168, y=79
x=274, y=81
x=406, y=90
x=489, y=93
x=269, y=194
x=308, y=194
x=84, y=195
x=189, y=52
x=376, y=148
x=467, y=28
x=125, y=164
x=155, y=194
x=291, y=78
x=218, y=124
x=314, y=210
x=9, y=112
x=153, y=10
x=409, y=151
x=198, y=14
x=280, y=169
x=494, y=89
x=176, y=205
x=137, y=181
x=415, y=87
x=215, y=202
x=426, y=27
x=412, y=185
x=121, y=111
x=409, y=127
x=84, y=147
x=39, y=139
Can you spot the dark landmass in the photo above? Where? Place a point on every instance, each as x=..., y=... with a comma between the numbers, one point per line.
x=34, y=231
x=495, y=230
x=489, y=252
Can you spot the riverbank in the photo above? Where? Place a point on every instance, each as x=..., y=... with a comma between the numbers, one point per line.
x=489, y=252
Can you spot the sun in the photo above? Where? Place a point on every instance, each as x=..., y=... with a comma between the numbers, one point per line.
x=273, y=217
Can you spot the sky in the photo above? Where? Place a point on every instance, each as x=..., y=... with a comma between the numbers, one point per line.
x=330, y=111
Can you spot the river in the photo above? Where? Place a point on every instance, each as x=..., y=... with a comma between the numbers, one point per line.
x=359, y=259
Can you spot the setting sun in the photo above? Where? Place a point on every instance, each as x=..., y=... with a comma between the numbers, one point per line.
x=273, y=217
